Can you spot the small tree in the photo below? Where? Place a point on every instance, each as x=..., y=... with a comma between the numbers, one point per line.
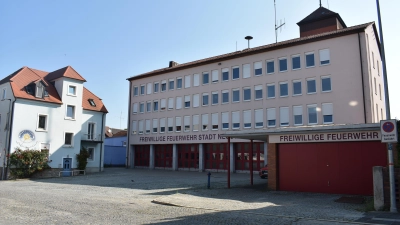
x=82, y=158
x=24, y=163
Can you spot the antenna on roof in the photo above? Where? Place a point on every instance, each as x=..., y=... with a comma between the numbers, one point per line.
x=248, y=38
x=320, y=4
x=277, y=27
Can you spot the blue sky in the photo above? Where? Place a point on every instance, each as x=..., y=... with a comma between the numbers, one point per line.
x=110, y=41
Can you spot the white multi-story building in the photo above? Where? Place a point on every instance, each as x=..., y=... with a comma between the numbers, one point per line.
x=52, y=112
x=330, y=75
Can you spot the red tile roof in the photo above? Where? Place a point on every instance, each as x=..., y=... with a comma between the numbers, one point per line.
x=99, y=106
x=257, y=50
x=67, y=71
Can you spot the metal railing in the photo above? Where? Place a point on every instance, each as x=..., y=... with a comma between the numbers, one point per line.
x=91, y=137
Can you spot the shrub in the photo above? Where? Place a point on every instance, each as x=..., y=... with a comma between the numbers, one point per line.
x=82, y=158
x=24, y=163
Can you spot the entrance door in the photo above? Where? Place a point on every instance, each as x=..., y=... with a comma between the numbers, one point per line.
x=163, y=157
x=67, y=162
x=142, y=155
x=188, y=156
x=216, y=156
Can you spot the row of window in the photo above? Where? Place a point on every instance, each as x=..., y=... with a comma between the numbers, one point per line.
x=172, y=84
x=194, y=101
x=192, y=123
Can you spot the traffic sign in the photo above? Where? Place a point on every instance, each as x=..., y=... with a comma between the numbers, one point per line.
x=389, y=131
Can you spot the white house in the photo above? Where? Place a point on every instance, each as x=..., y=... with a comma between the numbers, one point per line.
x=52, y=112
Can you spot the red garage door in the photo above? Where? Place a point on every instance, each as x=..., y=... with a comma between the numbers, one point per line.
x=339, y=168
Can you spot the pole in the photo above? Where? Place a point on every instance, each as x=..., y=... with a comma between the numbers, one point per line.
x=393, y=207
x=229, y=162
x=251, y=161
x=276, y=34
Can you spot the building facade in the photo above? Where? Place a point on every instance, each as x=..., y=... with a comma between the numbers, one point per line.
x=115, y=148
x=330, y=75
x=52, y=112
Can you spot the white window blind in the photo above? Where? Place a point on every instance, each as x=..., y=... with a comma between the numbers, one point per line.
x=271, y=114
x=134, y=127
x=236, y=117
x=247, y=118
x=163, y=104
x=162, y=125
x=204, y=119
x=246, y=70
x=214, y=121
x=195, y=122
x=178, y=102
x=196, y=100
x=297, y=110
x=186, y=123
x=171, y=103
x=141, y=127
x=147, y=126
x=170, y=122
x=187, y=81
x=257, y=65
x=327, y=109
x=155, y=125
x=324, y=55
x=135, y=105
x=258, y=87
x=214, y=75
x=284, y=116
x=259, y=117
x=225, y=117
x=196, y=80
x=149, y=85
x=178, y=121
x=225, y=70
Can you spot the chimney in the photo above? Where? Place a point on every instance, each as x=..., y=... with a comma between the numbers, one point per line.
x=320, y=21
x=172, y=64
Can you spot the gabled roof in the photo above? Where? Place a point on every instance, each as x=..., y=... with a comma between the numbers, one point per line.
x=320, y=14
x=86, y=105
x=67, y=71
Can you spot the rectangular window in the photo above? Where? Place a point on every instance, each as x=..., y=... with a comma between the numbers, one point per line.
x=142, y=87
x=42, y=122
x=186, y=123
x=283, y=89
x=204, y=122
x=196, y=100
x=148, y=106
x=284, y=116
x=225, y=74
x=375, y=84
x=90, y=133
x=258, y=92
x=246, y=70
x=214, y=76
x=91, y=154
x=71, y=90
x=258, y=68
x=298, y=115
x=170, y=123
x=162, y=125
x=206, y=78
x=270, y=90
x=271, y=117
x=170, y=103
x=326, y=84
x=236, y=120
x=205, y=99
x=178, y=102
x=296, y=62
x=380, y=92
x=270, y=66
x=214, y=121
x=311, y=86
x=155, y=125
x=187, y=81
x=259, y=118
x=39, y=91
x=135, y=91
x=163, y=85
x=155, y=106
x=225, y=96
x=141, y=126
x=70, y=112
x=214, y=96
x=282, y=64
x=373, y=60
x=235, y=73
x=68, y=138
x=377, y=65
x=141, y=107
x=324, y=56
x=156, y=87
x=171, y=84
x=179, y=83
x=235, y=95
x=178, y=124
x=327, y=112
x=187, y=101
x=149, y=88
x=196, y=122
x=377, y=115
x=296, y=87
x=312, y=114
x=148, y=127
x=134, y=127
x=310, y=60
x=196, y=80
x=163, y=105
x=246, y=94
x=247, y=119
x=135, y=108
x=225, y=120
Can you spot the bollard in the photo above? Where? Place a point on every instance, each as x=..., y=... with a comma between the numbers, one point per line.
x=209, y=175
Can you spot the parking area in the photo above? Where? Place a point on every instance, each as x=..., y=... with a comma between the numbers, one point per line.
x=141, y=196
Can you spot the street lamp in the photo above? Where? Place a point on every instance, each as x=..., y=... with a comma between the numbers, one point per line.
x=7, y=134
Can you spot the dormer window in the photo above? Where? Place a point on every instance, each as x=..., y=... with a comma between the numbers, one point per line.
x=29, y=89
x=91, y=101
x=46, y=93
x=71, y=90
x=39, y=91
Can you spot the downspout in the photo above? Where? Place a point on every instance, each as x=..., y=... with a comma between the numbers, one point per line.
x=9, y=134
x=129, y=120
x=102, y=139
x=362, y=78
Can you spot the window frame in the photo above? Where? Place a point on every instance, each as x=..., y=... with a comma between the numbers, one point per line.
x=171, y=103
x=238, y=69
x=144, y=89
x=324, y=113
x=156, y=87
x=305, y=59
x=258, y=87
x=136, y=89
x=244, y=89
x=148, y=109
x=187, y=80
x=271, y=85
x=134, y=127
x=68, y=93
x=234, y=114
x=171, y=87
x=224, y=117
x=256, y=66
x=152, y=126
x=246, y=70
x=330, y=83
x=178, y=123
x=212, y=98
x=66, y=112
x=72, y=139
x=308, y=113
x=224, y=70
x=238, y=91
x=273, y=66
x=185, y=124
x=196, y=100
x=214, y=73
x=223, y=93
x=256, y=118
x=203, y=75
x=149, y=88
x=140, y=107
x=196, y=80
x=185, y=101
x=203, y=116
x=194, y=118
x=202, y=99
x=163, y=82
x=141, y=122
x=268, y=119
x=162, y=121
x=329, y=56
x=154, y=105
x=178, y=103
x=92, y=159
x=301, y=88
x=4, y=93
x=295, y=114
x=177, y=79
x=279, y=63
x=293, y=57
x=39, y=129
x=135, y=105
x=213, y=115
x=280, y=89
x=315, y=82
x=245, y=112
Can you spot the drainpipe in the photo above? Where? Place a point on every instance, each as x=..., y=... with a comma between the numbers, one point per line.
x=102, y=139
x=9, y=135
x=362, y=78
x=128, y=145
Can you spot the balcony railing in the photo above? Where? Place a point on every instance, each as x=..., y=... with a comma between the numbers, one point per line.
x=92, y=137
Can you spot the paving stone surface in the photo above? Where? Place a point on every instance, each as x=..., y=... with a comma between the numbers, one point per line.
x=125, y=196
